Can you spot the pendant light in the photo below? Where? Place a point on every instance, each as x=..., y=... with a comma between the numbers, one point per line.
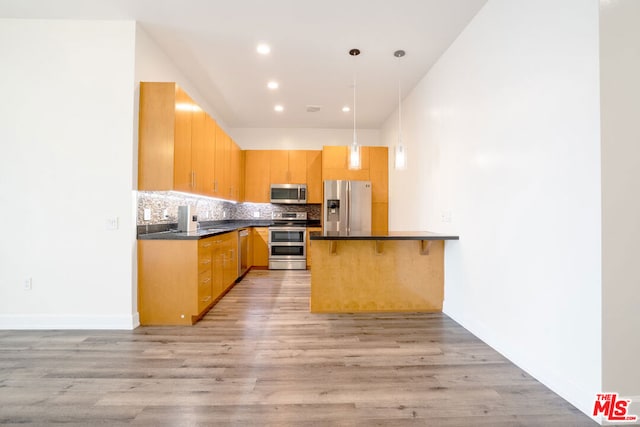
x=400, y=151
x=354, y=150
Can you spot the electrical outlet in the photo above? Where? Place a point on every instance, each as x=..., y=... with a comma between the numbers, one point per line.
x=224, y=214
x=28, y=284
x=147, y=214
x=446, y=216
x=165, y=214
x=256, y=214
x=111, y=223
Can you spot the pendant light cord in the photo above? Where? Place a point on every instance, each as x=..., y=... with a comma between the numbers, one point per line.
x=354, y=53
x=399, y=107
x=355, y=138
x=399, y=54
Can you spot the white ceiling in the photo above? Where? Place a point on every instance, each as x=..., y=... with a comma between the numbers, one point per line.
x=214, y=44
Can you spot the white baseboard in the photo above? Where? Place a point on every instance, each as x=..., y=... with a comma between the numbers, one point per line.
x=61, y=321
x=573, y=393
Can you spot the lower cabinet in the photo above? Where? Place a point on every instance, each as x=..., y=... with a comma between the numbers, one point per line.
x=180, y=280
x=260, y=246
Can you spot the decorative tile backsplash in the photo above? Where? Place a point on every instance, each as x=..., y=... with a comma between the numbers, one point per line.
x=208, y=209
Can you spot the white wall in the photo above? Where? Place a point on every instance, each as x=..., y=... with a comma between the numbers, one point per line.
x=300, y=138
x=153, y=65
x=66, y=135
x=503, y=133
x=620, y=92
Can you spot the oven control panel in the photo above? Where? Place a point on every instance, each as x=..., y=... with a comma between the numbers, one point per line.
x=288, y=216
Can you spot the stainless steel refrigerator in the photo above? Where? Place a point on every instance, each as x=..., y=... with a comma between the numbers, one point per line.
x=347, y=206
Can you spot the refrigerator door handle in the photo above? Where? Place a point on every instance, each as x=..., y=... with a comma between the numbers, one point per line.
x=348, y=197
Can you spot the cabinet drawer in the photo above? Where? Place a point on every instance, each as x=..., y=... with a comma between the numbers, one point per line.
x=204, y=263
x=203, y=302
x=205, y=244
x=204, y=278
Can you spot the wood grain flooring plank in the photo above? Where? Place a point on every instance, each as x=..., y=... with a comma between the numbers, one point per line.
x=260, y=358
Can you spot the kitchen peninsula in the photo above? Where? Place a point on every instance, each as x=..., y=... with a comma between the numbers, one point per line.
x=377, y=271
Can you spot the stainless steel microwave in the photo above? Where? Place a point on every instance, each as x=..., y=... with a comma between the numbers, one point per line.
x=289, y=193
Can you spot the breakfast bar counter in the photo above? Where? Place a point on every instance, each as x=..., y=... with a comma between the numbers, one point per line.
x=377, y=272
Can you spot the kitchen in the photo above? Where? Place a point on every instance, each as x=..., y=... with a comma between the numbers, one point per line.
x=486, y=199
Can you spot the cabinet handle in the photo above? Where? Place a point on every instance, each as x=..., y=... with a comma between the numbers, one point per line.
x=215, y=186
x=193, y=179
x=206, y=261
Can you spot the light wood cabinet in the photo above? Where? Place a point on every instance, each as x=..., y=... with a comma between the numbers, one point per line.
x=335, y=162
x=308, y=249
x=278, y=167
x=257, y=175
x=182, y=148
x=314, y=176
x=378, y=174
x=266, y=167
x=164, y=148
x=288, y=167
x=260, y=246
x=202, y=152
x=235, y=170
x=221, y=185
x=174, y=281
x=229, y=245
x=205, y=267
x=180, y=280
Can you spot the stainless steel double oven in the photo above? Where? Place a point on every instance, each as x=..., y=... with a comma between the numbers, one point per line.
x=288, y=241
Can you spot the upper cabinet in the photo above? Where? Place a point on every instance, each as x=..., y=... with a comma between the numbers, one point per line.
x=256, y=176
x=314, y=176
x=266, y=167
x=288, y=167
x=182, y=148
x=334, y=163
x=221, y=182
x=164, y=137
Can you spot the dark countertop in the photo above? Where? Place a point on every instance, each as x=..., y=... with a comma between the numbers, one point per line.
x=207, y=229
x=390, y=235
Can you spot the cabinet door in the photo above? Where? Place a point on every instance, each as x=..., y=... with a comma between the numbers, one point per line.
x=235, y=170
x=334, y=163
x=314, y=176
x=297, y=167
x=380, y=217
x=155, y=136
x=229, y=247
x=221, y=185
x=168, y=276
x=279, y=166
x=378, y=174
x=260, y=246
x=205, y=171
x=205, y=264
x=182, y=171
x=202, y=152
x=257, y=170
x=217, y=274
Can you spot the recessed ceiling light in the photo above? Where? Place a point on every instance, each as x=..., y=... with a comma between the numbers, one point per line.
x=346, y=109
x=273, y=85
x=279, y=108
x=263, y=49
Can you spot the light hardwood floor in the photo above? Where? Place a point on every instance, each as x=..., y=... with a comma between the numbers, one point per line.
x=260, y=358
